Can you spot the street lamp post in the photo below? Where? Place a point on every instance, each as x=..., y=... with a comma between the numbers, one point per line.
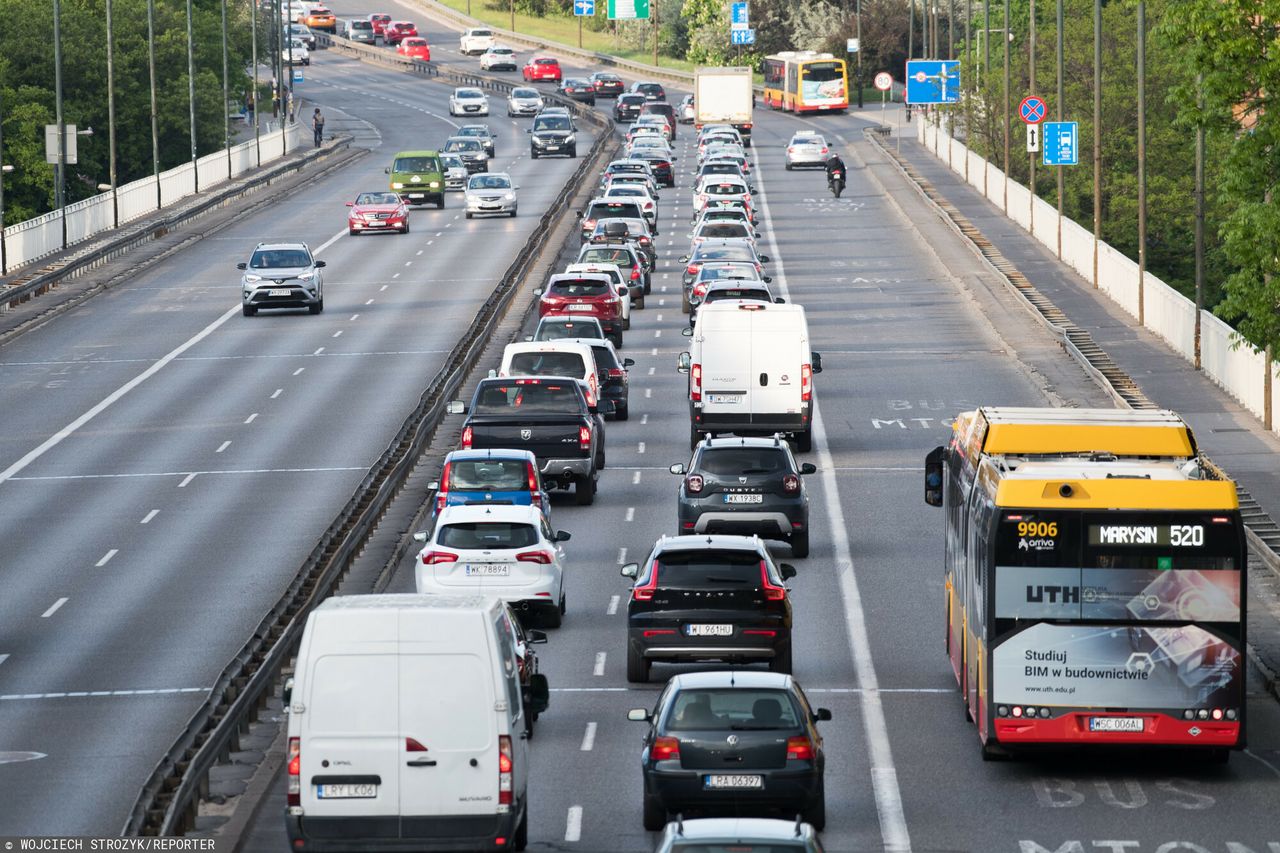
x=226, y=93
x=155, y=117
x=858, y=16
x=253, y=50
x=111, y=121
x=59, y=190
x=1142, y=159
x=1007, y=47
x=191, y=97
x=4, y=258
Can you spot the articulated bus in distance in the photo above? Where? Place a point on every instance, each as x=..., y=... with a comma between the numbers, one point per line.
x=805, y=81
x=1095, y=580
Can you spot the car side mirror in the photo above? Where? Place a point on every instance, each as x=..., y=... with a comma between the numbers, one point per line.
x=515, y=186
x=687, y=331
x=434, y=485
x=628, y=362
x=420, y=537
x=639, y=715
x=528, y=130
x=351, y=204
x=242, y=265
x=528, y=337
x=320, y=264
x=674, y=159
x=778, y=300
x=286, y=693
x=578, y=214
x=684, y=259
x=683, y=362
x=537, y=291
x=822, y=715
x=537, y=696
x=764, y=259
x=933, y=476
x=757, y=233
x=677, y=468
x=808, y=468
x=456, y=407
x=630, y=570
x=563, y=536
x=534, y=637
x=493, y=374
x=788, y=571
x=386, y=171
x=767, y=279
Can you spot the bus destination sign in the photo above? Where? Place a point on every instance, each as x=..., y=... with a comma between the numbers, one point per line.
x=1166, y=535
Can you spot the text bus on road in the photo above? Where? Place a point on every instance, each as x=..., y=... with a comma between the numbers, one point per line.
x=805, y=81
x=1095, y=581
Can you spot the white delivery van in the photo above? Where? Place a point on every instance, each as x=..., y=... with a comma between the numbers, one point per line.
x=406, y=727
x=751, y=372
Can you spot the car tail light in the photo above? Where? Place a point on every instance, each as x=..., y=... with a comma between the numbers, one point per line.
x=541, y=557
x=645, y=592
x=467, y=437
x=644, y=241
x=434, y=558
x=799, y=748
x=442, y=495
x=584, y=438
x=617, y=373
x=691, y=269
x=635, y=273
x=412, y=745
x=772, y=592
x=589, y=223
x=664, y=749
x=295, y=772
x=699, y=289
x=505, y=768
x=824, y=149
x=534, y=496
x=806, y=383
x=695, y=383
x=791, y=484
x=694, y=483
x=658, y=632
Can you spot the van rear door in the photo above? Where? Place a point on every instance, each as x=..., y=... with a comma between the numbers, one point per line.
x=726, y=363
x=778, y=350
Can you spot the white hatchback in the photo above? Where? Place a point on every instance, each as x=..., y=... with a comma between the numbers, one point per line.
x=469, y=102
x=475, y=40
x=507, y=552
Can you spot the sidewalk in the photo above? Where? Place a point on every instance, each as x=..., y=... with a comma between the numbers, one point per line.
x=1225, y=431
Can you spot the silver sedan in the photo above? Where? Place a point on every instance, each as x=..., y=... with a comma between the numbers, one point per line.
x=524, y=101
x=492, y=192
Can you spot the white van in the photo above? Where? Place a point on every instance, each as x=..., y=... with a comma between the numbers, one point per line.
x=553, y=358
x=751, y=372
x=406, y=727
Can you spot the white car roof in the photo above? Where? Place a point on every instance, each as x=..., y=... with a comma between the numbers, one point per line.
x=467, y=513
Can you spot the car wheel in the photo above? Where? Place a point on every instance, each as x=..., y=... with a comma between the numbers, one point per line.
x=804, y=440
x=782, y=661
x=353, y=232
x=600, y=459
x=555, y=618
x=405, y=229
x=816, y=813
x=573, y=153
x=533, y=154
x=529, y=720
x=468, y=214
x=655, y=816
x=800, y=544
x=248, y=310
x=694, y=437
x=622, y=412
x=513, y=212
x=648, y=284
x=317, y=307
x=617, y=340
x=638, y=673
x=584, y=491
x=440, y=203
x=626, y=324
x=685, y=307
x=788, y=167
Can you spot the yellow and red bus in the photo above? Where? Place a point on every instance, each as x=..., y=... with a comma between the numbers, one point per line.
x=1095, y=581
x=805, y=81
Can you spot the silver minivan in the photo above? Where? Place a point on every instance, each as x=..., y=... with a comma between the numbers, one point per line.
x=359, y=30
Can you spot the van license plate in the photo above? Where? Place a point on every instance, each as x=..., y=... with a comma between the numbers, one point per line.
x=279, y=291
x=732, y=780
x=709, y=630
x=499, y=570
x=1116, y=724
x=724, y=398
x=417, y=195
x=346, y=792
x=744, y=499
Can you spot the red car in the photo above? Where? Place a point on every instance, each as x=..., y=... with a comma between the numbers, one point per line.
x=415, y=47
x=377, y=212
x=379, y=21
x=397, y=31
x=584, y=295
x=542, y=68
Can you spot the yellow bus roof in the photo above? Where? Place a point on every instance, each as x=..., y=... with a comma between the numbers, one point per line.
x=1111, y=485
x=1030, y=431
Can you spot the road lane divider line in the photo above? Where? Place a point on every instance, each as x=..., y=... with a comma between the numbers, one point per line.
x=338, y=334
x=277, y=393
x=597, y=670
x=355, y=317
x=612, y=609
x=96, y=694
x=186, y=479
x=108, y=401
x=54, y=608
x=884, y=775
x=631, y=511
x=146, y=519
x=573, y=824
x=635, y=478
x=189, y=474
x=588, y=738
x=640, y=448
x=385, y=286
x=367, y=302
x=251, y=418
x=106, y=558
x=327, y=243
x=648, y=393
x=317, y=352
x=622, y=556
x=300, y=369
x=3, y=658
x=223, y=446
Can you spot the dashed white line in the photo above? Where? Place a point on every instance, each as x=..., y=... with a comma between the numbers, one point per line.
x=300, y=369
x=223, y=446
x=573, y=824
x=106, y=558
x=355, y=316
x=3, y=658
x=408, y=263
x=54, y=609
x=385, y=286
x=338, y=334
x=317, y=352
x=419, y=251
x=612, y=609
x=635, y=478
x=631, y=511
x=659, y=318
x=588, y=738
x=277, y=393
x=662, y=302
x=439, y=233
x=652, y=370
x=658, y=333
x=597, y=670
x=78, y=694
x=394, y=275
x=654, y=351
x=146, y=519
x=185, y=480
x=251, y=418
x=648, y=392
x=367, y=302
x=429, y=242
x=622, y=556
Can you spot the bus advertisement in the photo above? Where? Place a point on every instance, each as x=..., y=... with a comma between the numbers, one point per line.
x=805, y=81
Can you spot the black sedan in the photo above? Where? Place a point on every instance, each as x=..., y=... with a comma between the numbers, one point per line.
x=660, y=164
x=628, y=107
x=732, y=743
x=607, y=84
x=579, y=90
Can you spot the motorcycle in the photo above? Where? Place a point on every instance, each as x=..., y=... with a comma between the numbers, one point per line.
x=835, y=182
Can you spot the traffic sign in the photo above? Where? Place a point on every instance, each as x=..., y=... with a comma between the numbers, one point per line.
x=626, y=10
x=1032, y=110
x=742, y=36
x=1033, y=138
x=851, y=46
x=884, y=81
x=740, y=16
x=584, y=8
x=933, y=81
x=1061, y=143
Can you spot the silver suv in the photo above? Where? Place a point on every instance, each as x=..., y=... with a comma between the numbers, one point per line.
x=282, y=275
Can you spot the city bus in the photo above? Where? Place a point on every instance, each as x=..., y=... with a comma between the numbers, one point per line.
x=1095, y=581
x=805, y=81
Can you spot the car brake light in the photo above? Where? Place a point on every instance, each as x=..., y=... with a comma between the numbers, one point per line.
x=791, y=484
x=533, y=480
x=667, y=749
x=772, y=592
x=295, y=772
x=412, y=745
x=588, y=223
x=806, y=383
x=617, y=373
x=799, y=748
x=695, y=383
x=692, y=269
x=824, y=149
x=584, y=438
x=433, y=558
x=505, y=767
x=467, y=436
x=635, y=273
x=693, y=483
x=540, y=557
x=645, y=592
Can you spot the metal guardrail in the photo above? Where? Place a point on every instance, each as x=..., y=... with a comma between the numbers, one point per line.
x=169, y=801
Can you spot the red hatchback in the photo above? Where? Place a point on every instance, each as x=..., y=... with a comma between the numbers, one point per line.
x=377, y=212
x=584, y=295
x=545, y=68
x=379, y=21
x=415, y=47
x=397, y=31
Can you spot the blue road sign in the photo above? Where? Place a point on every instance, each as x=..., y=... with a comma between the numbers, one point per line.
x=1032, y=109
x=933, y=81
x=297, y=75
x=584, y=8
x=742, y=36
x=740, y=17
x=1061, y=143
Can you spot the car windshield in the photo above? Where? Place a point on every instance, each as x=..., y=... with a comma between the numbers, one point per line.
x=609, y=255
x=377, y=198
x=268, y=259
x=579, y=287
x=489, y=182
x=649, y=88
x=736, y=461
x=468, y=94
x=498, y=475
x=503, y=51
x=705, y=567
x=733, y=709
x=528, y=397
x=361, y=25
x=525, y=93
x=551, y=123
x=416, y=164
x=464, y=145
x=722, y=167
x=487, y=535
x=807, y=140
x=547, y=364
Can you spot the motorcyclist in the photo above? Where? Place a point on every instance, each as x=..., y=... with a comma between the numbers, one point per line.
x=835, y=164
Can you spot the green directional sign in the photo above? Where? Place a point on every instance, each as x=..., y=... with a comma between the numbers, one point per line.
x=624, y=10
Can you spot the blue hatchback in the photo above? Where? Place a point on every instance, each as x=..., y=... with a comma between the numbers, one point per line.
x=491, y=476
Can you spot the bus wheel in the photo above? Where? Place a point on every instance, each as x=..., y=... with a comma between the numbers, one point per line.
x=968, y=714
x=992, y=751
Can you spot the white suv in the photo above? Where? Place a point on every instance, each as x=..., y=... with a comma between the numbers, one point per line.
x=507, y=552
x=475, y=40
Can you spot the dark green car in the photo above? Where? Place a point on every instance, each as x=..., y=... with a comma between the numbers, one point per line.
x=418, y=177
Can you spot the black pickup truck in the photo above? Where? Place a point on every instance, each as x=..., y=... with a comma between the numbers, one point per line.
x=546, y=415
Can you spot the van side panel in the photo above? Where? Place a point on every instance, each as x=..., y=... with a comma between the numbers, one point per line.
x=776, y=357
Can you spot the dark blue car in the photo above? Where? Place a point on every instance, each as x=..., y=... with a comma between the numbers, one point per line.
x=491, y=476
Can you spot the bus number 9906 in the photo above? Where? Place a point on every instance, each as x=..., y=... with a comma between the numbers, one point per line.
x=1042, y=528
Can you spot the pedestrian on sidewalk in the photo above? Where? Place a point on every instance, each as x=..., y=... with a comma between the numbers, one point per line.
x=275, y=98
x=317, y=124
x=249, y=107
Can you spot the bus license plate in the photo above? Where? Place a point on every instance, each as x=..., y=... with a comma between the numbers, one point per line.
x=490, y=570
x=1115, y=724
x=709, y=630
x=733, y=780
x=346, y=792
x=744, y=499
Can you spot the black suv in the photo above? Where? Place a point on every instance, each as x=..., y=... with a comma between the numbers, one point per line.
x=627, y=107
x=733, y=743
x=552, y=133
x=718, y=598
x=745, y=486
x=651, y=91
